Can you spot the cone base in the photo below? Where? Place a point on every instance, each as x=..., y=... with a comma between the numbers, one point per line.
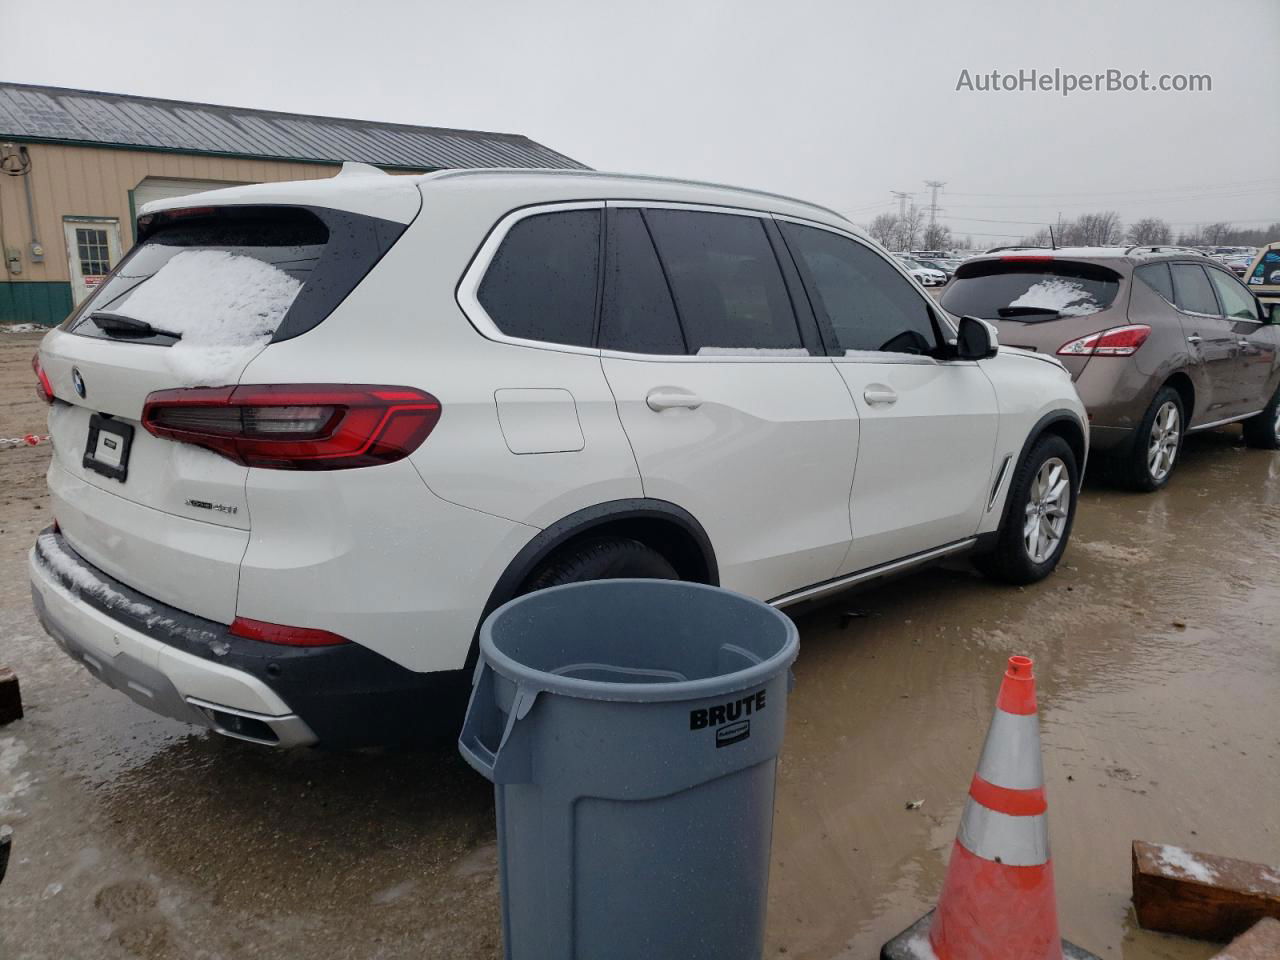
x=913, y=944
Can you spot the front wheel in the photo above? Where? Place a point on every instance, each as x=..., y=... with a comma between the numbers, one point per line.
x=1263, y=431
x=1038, y=515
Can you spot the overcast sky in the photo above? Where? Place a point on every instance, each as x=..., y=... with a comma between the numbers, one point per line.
x=839, y=102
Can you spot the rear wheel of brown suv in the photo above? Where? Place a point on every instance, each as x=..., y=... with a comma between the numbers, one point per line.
x=1263, y=431
x=1156, y=444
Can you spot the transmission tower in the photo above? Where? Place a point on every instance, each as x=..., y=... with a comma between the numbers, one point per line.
x=903, y=197
x=935, y=186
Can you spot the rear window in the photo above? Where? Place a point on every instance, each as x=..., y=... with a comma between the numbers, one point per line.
x=726, y=281
x=217, y=284
x=1030, y=291
x=1267, y=271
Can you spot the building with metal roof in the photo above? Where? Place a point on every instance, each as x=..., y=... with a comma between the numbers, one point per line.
x=75, y=166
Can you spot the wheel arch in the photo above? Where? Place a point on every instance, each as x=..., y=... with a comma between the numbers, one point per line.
x=1182, y=384
x=665, y=527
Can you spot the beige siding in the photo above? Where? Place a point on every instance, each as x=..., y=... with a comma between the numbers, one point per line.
x=95, y=182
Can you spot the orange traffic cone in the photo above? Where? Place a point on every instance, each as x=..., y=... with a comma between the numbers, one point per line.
x=997, y=901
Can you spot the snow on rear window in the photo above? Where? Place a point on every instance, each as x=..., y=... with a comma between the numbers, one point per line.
x=1068, y=297
x=225, y=306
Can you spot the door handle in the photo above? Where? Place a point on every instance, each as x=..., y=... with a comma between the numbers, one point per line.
x=659, y=400
x=1242, y=344
x=1193, y=339
x=879, y=395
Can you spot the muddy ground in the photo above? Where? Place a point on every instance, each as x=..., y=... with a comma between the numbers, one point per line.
x=1155, y=644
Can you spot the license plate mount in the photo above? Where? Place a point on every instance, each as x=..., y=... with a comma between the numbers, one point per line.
x=106, y=451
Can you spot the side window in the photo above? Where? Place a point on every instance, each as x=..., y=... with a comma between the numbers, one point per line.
x=871, y=306
x=541, y=284
x=1236, y=300
x=639, y=314
x=1191, y=289
x=1156, y=276
x=728, y=288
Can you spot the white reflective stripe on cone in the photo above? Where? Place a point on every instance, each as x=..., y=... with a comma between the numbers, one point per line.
x=1011, y=754
x=1015, y=841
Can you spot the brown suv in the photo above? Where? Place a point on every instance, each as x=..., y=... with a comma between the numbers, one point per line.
x=1159, y=343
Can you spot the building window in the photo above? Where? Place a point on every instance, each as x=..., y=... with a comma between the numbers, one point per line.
x=91, y=247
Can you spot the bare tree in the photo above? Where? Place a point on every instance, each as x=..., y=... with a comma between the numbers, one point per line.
x=909, y=227
x=937, y=236
x=1150, y=230
x=1216, y=233
x=1040, y=238
x=883, y=228
x=1097, y=229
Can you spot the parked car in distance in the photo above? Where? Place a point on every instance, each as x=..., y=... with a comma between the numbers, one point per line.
x=938, y=265
x=1263, y=274
x=928, y=276
x=1160, y=344
x=308, y=435
x=1239, y=265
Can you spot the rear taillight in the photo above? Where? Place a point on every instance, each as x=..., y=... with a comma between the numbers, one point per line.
x=44, y=389
x=1116, y=342
x=285, y=636
x=302, y=427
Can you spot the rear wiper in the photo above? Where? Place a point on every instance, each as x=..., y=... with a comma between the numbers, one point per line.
x=118, y=325
x=1028, y=312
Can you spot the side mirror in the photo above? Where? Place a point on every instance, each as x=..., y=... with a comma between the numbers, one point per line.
x=975, y=339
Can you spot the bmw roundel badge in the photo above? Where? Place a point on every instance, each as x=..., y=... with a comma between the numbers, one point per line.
x=77, y=381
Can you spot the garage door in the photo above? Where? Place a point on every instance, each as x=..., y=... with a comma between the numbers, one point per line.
x=157, y=188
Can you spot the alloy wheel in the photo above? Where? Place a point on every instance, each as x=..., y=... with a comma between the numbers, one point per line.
x=1047, y=510
x=1162, y=445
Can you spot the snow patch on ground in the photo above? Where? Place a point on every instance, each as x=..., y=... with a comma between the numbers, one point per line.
x=12, y=785
x=1067, y=297
x=21, y=328
x=752, y=352
x=225, y=306
x=1188, y=864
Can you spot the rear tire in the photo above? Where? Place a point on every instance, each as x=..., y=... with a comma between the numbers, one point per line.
x=1263, y=431
x=601, y=558
x=1039, y=512
x=1157, y=444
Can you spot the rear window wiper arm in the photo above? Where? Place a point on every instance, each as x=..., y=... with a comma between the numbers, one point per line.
x=117, y=324
x=1028, y=312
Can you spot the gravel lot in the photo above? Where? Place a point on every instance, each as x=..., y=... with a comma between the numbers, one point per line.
x=1155, y=645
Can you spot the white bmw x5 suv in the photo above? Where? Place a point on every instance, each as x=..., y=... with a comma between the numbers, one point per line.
x=307, y=435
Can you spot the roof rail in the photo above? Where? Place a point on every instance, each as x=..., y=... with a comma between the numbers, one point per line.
x=645, y=177
x=1162, y=248
x=1018, y=246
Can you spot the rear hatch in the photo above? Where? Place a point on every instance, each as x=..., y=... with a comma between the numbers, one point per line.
x=1039, y=302
x=205, y=290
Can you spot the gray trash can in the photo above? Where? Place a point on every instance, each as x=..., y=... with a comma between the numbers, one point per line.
x=631, y=729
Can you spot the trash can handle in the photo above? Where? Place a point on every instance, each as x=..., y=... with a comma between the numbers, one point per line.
x=489, y=740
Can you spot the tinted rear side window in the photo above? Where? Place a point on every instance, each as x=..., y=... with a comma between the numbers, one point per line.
x=1156, y=276
x=1191, y=289
x=728, y=288
x=541, y=284
x=639, y=315
x=1030, y=290
x=871, y=305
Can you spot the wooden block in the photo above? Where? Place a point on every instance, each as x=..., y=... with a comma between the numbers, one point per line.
x=10, y=697
x=1260, y=942
x=1201, y=895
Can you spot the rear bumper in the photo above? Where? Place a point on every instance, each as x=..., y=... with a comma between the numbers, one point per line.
x=192, y=669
